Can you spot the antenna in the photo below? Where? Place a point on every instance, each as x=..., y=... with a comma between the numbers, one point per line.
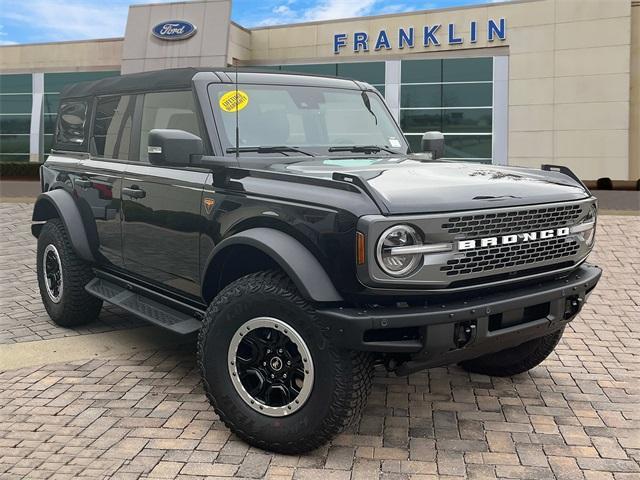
x=237, y=113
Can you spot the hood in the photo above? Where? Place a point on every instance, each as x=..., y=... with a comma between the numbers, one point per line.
x=405, y=185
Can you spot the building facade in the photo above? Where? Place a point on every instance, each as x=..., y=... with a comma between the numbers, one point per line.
x=514, y=83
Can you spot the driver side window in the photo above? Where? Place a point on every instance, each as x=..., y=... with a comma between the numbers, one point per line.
x=173, y=110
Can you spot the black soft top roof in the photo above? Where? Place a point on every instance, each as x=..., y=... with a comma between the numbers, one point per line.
x=161, y=80
x=180, y=78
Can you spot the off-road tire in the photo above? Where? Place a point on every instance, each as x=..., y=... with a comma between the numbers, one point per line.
x=342, y=378
x=513, y=361
x=76, y=306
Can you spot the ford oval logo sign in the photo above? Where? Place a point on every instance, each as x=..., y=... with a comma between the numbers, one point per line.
x=174, y=30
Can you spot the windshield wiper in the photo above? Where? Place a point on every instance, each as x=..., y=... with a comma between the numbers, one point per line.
x=361, y=149
x=275, y=149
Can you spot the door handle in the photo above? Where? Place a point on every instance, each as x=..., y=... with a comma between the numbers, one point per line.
x=134, y=192
x=83, y=182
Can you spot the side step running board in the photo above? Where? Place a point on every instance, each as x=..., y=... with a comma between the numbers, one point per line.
x=143, y=307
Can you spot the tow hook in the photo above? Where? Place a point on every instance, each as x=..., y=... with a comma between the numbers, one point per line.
x=464, y=333
x=391, y=364
x=572, y=306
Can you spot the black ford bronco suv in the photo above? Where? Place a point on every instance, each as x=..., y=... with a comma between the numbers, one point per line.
x=285, y=219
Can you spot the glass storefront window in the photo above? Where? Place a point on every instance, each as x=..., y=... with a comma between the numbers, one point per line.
x=15, y=83
x=16, y=105
x=453, y=96
x=51, y=102
x=11, y=157
x=468, y=146
x=422, y=71
x=420, y=121
x=467, y=95
x=14, y=143
x=420, y=96
x=15, y=116
x=467, y=120
x=319, y=69
x=467, y=69
x=10, y=104
x=12, y=124
x=447, y=95
x=446, y=121
x=55, y=82
x=370, y=72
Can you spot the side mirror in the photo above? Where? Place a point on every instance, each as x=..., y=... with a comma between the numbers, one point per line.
x=173, y=147
x=433, y=142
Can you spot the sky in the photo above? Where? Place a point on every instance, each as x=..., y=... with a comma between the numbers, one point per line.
x=35, y=21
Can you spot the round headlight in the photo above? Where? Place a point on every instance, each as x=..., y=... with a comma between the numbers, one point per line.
x=389, y=251
x=589, y=235
x=586, y=227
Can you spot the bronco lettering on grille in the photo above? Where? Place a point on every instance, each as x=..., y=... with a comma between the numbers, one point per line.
x=512, y=239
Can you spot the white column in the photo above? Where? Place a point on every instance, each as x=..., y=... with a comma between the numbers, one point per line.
x=500, y=115
x=37, y=121
x=392, y=79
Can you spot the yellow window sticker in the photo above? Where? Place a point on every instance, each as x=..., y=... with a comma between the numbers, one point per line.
x=234, y=101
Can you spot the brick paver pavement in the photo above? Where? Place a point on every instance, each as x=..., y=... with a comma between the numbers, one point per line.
x=577, y=416
x=22, y=316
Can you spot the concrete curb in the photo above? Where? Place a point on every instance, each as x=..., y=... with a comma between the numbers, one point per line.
x=83, y=347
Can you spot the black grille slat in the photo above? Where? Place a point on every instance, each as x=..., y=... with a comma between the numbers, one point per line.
x=506, y=223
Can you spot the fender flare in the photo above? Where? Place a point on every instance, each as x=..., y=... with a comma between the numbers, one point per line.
x=295, y=259
x=67, y=210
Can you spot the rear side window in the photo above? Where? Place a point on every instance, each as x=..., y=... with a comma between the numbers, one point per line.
x=175, y=110
x=70, y=128
x=112, y=126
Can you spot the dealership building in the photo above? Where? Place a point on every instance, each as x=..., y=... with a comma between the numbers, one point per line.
x=514, y=83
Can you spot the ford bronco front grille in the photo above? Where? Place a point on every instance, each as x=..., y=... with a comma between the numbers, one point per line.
x=491, y=258
x=517, y=221
x=523, y=255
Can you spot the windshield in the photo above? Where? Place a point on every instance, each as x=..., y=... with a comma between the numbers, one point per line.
x=311, y=120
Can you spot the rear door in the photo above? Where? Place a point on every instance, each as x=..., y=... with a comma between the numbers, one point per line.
x=162, y=205
x=100, y=181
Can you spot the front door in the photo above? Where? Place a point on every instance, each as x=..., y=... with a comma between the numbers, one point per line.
x=162, y=205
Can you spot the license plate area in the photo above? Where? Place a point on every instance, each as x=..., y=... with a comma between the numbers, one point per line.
x=518, y=316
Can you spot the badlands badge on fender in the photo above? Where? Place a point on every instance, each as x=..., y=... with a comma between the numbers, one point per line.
x=233, y=101
x=208, y=204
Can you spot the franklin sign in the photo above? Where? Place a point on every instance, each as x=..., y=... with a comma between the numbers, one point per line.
x=428, y=36
x=174, y=30
x=512, y=239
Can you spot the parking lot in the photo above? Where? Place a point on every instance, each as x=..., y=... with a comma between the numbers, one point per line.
x=94, y=402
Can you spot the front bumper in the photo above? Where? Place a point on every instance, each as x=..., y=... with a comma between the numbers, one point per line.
x=466, y=328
